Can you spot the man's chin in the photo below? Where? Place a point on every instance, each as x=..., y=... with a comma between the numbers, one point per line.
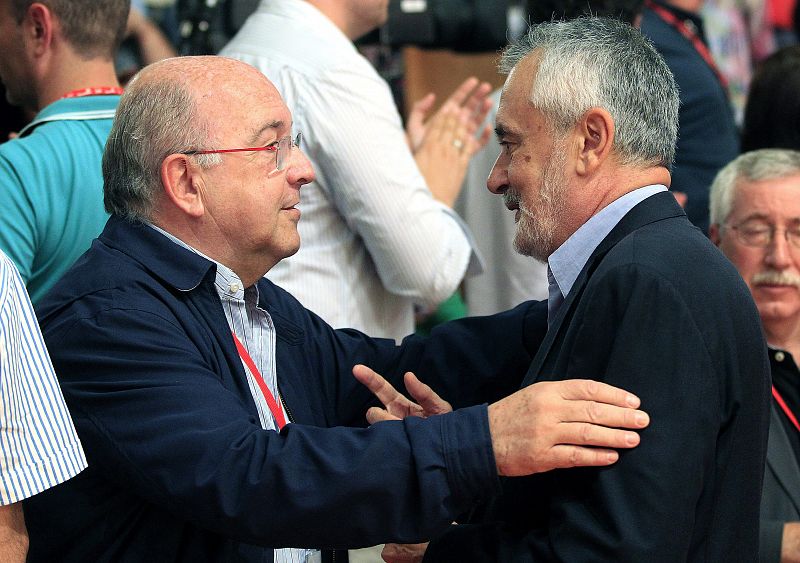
x=527, y=248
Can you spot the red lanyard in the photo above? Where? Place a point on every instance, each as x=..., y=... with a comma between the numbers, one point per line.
x=690, y=35
x=789, y=414
x=94, y=91
x=274, y=407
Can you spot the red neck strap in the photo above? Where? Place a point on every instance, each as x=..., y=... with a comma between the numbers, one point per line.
x=274, y=407
x=691, y=35
x=94, y=91
x=789, y=414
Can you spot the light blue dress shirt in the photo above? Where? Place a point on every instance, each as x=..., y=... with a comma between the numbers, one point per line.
x=566, y=263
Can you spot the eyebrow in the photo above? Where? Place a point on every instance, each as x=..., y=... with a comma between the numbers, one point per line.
x=503, y=131
x=763, y=217
x=270, y=125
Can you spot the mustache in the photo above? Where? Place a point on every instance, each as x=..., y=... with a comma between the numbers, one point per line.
x=511, y=198
x=776, y=278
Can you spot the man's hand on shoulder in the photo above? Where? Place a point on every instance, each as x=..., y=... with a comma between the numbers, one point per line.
x=559, y=424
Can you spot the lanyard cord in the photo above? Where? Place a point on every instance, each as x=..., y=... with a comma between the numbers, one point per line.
x=691, y=36
x=94, y=91
x=789, y=414
x=274, y=407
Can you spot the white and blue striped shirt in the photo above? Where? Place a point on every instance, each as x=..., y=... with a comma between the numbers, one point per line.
x=39, y=447
x=254, y=328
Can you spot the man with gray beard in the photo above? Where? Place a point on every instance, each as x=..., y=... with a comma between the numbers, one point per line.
x=638, y=298
x=755, y=221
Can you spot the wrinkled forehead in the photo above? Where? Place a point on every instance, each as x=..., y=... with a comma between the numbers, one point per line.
x=241, y=103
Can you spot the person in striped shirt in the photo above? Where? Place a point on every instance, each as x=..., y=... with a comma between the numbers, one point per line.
x=38, y=444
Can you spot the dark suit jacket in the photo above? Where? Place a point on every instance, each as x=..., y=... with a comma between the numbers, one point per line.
x=658, y=311
x=780, y=501
x=179, y=466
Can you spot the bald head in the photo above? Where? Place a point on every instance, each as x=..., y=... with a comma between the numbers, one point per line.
x=205, y=77
x=173, y=106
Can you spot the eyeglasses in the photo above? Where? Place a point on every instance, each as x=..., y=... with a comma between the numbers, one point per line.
x=282, y=149
x=762, y=235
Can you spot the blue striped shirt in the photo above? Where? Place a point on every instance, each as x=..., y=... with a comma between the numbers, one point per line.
x=254, y=328
x=39, y=447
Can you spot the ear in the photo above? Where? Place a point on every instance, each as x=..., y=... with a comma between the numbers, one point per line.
x=595, y=135
x=714, y=234
x=38, y=27
x=182, y=180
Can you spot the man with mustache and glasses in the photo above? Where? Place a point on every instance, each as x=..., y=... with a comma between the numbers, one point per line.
x=755, y=221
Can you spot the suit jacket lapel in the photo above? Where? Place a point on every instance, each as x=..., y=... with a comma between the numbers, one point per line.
x=781, y=459
x=654, y=208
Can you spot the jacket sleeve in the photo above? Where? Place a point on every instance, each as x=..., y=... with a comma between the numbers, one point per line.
x=468, y=362
x=157, y=418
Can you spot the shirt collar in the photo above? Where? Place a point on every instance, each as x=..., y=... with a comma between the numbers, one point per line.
x=566, y=263
x=74, y=109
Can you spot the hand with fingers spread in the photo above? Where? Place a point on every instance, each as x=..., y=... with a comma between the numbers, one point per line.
x=444, y=144
x=396, y=405
x=558, y=424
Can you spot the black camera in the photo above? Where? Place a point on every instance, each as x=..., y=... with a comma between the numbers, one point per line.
x=461, y=25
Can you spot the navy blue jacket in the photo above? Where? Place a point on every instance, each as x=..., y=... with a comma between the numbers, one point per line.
x=659, y=311
x=179, y=467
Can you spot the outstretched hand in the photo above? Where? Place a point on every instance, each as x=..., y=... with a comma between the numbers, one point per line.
x=395, y=405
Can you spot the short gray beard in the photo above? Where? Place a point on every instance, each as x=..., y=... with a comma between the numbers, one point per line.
x=536, y=231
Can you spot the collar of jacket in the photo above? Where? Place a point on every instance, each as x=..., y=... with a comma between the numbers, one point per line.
x=181, y=268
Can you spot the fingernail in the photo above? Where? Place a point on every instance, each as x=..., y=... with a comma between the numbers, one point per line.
x=612, y=457
x=641, y=419
x=632, y=400
x=631, y=438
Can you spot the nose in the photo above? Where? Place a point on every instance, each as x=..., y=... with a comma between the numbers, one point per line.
x=498, y=177
x=778, y=254
x=300, y=170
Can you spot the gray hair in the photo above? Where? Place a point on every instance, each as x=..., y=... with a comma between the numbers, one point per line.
x=602, y=62
x=155, y=118
x=754, y=166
